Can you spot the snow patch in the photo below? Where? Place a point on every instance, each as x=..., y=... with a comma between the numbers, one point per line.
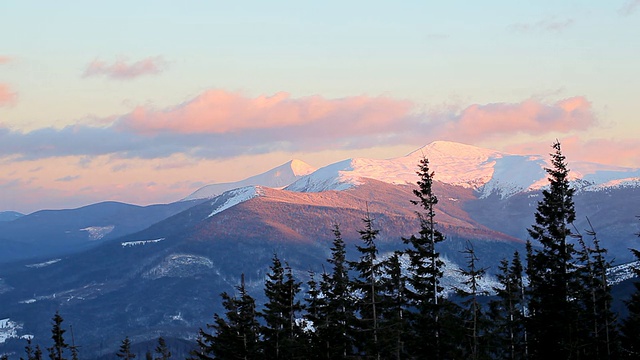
x=140, y=242
x=8, y=329
x=98, y=232
x=43, y=264
x=234, y=197
x=180, y=265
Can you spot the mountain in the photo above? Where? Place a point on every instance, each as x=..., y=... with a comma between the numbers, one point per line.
x=278, y=177
x=9, y=215
x=161, y=275
x=48, y=233
x=485, y=171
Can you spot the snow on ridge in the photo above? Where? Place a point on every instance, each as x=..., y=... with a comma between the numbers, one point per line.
x=43, y=264
x=235, y=197
x=140, y=242
x=98, y=232
x=277, y=178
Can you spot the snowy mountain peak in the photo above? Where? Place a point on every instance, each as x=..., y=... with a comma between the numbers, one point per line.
x=278, y=177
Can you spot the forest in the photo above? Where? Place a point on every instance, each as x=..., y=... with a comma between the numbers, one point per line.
x=553, y=302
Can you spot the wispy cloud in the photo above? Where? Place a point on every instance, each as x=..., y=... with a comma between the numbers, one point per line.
x=123, y=70
x=68, y=178
x=547, y=25
x=629, y=7
x=7, y=97
x=5, y=59
x=219, y=125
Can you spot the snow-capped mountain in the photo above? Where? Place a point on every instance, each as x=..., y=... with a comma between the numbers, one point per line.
x=483, y=170
x=278, y=177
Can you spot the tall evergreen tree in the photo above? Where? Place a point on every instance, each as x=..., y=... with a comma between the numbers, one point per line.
x=507, y=312
x=554, y=330
x=162, y=350
x=630, y=327
x=56, y=352
x=367, y=285
x=281, y=335
x=473, y=318
x=424, y=292
x=125, y=350
x=597, y=319
x=332, y=308
x=236, y=335
x=393, y=308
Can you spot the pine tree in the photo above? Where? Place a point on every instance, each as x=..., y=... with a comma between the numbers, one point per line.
x=597, y=320
x=553, y=321
x=29, y=351
x=393, y=307
x=507, y=312
x=281, y=335
x=331, y=308
x=424, y=292
x=475, y=325
x=367, y=285
x=630, y=327
x=125, y=350
x=56, y=352
x=236, y=335
x=162, y=350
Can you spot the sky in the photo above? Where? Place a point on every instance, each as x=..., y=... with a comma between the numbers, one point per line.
x=146, y=101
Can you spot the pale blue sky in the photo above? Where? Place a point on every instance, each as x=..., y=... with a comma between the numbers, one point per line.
x=442, y=57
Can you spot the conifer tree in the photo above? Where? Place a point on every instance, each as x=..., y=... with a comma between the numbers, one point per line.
x=475, y=325
x=162, y=350
x=393, y=307
x=331, y=308
x=424, y=292
x=125, y=350
x=507, y=312
x=236, y=335
x=554, y=286
x=281, y=335
x=630, y=327
x=367, y=284
x=56, y=352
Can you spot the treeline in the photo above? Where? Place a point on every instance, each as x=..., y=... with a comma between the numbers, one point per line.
x=553, y=302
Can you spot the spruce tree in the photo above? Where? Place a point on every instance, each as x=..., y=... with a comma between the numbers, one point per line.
x=162, y=351
x=281, y=335
x=507, y=312
x=393, y=308
x=553, y=323
x=125, y=350
x=331, y=308
x=367, y=285
x=473, y=318
x=56, y=352
x=424, y=292
x=630, y=327
x=236, y=335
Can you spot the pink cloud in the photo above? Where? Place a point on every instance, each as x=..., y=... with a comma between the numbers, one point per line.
x=7, y=97
x=218, y=112
x=5, y=59
x=481, y=122
x=620, y=152
x=122, y=70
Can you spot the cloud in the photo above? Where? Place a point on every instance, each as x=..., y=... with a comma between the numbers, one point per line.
x=7, y=97
x=5, y=59
x=122, y=70
x=68, y=178
x=482, y=122
x=547, y=25
x=220, y=125
x=629, y=7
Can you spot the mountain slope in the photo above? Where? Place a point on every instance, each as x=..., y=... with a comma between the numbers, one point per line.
x=278, y=177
